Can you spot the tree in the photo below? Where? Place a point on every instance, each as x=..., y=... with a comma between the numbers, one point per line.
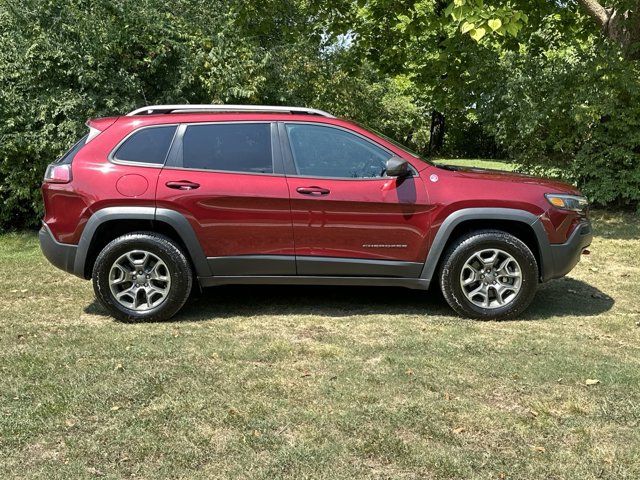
x=536, y=76
x=64, y=61
x=618, y=21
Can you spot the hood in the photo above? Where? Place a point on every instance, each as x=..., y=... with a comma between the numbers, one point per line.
x=503, y=176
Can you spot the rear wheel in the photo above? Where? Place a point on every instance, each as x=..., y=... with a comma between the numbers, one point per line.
x=142, y=276
x=489, y=274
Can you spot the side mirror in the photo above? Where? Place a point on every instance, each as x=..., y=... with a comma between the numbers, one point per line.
x=397, y=167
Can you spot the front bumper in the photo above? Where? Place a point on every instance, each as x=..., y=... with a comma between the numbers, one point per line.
x=565, y=256
x=62, y=255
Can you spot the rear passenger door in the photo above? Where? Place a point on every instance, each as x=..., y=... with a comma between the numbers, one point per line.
x=227, y=180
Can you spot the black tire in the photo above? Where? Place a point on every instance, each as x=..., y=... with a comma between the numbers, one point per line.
x=454, y=261
x=179, y=270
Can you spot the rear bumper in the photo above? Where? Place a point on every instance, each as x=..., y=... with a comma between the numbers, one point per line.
x=566, y=255
x=61, y=255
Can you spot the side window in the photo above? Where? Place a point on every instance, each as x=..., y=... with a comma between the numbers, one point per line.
x=233, y=147
x=148, y=145
x=320, y=151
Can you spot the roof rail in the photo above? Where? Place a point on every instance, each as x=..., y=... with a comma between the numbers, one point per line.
x=158, y=109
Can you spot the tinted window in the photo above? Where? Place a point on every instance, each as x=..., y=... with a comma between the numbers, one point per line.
x=237, y=147
x=330, y=152
x=68, y=157
x=149, y=145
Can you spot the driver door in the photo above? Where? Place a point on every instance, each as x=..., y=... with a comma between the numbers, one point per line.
x=349, y=219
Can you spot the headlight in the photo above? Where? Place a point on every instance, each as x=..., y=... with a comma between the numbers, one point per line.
x=575, y=203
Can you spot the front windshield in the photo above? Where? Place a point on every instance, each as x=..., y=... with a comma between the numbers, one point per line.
x=402, y=147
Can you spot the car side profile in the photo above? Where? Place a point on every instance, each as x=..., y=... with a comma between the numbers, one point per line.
x=150, y=204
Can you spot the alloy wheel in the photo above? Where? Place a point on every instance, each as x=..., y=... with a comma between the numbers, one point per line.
x=491, y=278
x=139, y=280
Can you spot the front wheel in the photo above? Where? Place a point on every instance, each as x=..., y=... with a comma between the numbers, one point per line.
x=142, y=276
x=489, y=274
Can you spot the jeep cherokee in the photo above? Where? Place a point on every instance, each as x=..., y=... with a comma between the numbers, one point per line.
x=151, y=203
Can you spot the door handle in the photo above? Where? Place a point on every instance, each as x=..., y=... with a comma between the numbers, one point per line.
x=316, y=191
x=182, y=185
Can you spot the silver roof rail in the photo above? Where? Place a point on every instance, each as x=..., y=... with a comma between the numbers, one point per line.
x=157, y=109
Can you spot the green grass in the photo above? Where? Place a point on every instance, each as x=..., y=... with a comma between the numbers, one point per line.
x=477, y=162
x=311, y=382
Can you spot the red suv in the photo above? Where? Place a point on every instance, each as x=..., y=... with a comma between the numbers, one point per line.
x=169, y=196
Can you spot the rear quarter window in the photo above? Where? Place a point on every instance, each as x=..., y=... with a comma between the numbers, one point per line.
x=148, y=145
x=68, y=157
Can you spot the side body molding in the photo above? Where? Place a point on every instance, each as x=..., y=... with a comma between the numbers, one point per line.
x=456, y=218
x=182, y=226
x=175, y=219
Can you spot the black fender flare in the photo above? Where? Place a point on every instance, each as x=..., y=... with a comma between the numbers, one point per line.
x=510, y=214
x=171, y=217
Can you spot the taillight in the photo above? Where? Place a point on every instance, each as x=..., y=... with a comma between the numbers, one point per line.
x=58, y=174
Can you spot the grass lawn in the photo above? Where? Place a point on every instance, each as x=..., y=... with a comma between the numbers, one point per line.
x=312, y=382
x=477, y=162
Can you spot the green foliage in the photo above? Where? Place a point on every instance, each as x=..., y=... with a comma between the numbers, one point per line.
x=566, y=103
x=574, y=114
x=534, y=80
x=535, y=77
x=68, y=60
x=478, y=19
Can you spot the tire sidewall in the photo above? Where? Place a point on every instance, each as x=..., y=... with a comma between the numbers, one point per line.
x=178, y=266
x=509, y=244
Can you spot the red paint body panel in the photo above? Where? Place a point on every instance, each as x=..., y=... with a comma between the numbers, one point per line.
x=101, y=123
x=385, y=219
x=94, y=185
x=242, y=214
x=476, y=188
x=232, y=213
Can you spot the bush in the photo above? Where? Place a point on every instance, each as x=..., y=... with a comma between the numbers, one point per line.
x=573, y=112
x=65, y=61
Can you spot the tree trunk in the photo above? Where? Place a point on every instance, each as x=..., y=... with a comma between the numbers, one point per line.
x=436, y=137
x=622, y=27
